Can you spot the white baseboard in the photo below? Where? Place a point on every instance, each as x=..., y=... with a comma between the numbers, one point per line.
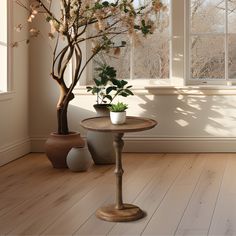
x=14, y=151
x=157, y=144
x=132, y=144
x=184, y=145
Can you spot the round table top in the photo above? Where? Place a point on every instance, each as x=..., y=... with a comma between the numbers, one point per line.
x=132, y=124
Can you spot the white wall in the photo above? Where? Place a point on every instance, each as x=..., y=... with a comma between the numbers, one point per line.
x=14, y=131
x=190, y=120
x=200, y=121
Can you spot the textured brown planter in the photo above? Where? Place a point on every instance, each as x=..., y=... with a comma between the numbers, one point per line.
x=58, y=146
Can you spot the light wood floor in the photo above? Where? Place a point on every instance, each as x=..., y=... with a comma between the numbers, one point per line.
x=182, y=194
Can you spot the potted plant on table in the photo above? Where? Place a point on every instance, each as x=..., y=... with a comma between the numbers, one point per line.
x=106, y=88
x=69, y=28
x=118, y=113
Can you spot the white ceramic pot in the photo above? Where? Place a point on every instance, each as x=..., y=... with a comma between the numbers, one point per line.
x=118, y=118
x=79, y=159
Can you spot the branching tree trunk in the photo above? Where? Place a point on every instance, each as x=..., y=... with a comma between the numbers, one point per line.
x=108, y=18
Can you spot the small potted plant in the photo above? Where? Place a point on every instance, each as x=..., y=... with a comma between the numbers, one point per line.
x=106, y=88
x=118, y=113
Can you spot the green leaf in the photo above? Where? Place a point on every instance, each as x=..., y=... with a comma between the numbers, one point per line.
x=128, y=92
x=105, y=4
x=116, y=82
x=123, y=83
x=97, y=82
x=89, y=88
x=109, y=89
x=96, y=90
x=104, y=81
x=109, y=97
x=123, y=94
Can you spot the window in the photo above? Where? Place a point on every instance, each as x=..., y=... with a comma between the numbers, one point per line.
x=148, y=59
x=4, y=50
x=212, y=41
x=197, y=46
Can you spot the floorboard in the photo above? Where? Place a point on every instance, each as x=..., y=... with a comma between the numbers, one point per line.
x=182, y=194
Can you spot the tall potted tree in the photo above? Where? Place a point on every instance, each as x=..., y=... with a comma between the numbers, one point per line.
x=96, y=21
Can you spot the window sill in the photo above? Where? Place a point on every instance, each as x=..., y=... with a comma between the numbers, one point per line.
x=4, y=96
x=175, y=90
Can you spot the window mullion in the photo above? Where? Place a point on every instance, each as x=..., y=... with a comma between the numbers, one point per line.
x=131, y=58
x=226, y=41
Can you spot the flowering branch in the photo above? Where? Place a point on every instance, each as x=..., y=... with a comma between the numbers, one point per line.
x=95, y=21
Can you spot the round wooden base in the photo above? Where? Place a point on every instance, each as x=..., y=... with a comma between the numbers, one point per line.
x=128, y=213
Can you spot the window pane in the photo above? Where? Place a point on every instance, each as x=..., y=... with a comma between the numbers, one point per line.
x=151, y=57
x=208, y=57
x=232, y=16
x=232, y=56
x=3, y=68
x=120, y=61
x=207, y=16
x=3, y=21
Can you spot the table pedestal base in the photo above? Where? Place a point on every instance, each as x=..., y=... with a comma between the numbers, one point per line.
x=128, y=213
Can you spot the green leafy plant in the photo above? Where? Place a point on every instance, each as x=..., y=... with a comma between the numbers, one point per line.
x=107, y=87
x=118, y=107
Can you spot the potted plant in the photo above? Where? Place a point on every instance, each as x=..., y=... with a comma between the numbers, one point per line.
x=106, y=88
x=118, y=113
x=97, y=22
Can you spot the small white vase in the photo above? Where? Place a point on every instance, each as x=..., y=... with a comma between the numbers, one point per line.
x=79, y=159
x=118, y=118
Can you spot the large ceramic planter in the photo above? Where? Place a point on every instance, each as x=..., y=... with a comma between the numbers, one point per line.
x=57, y=147
x=100, y=144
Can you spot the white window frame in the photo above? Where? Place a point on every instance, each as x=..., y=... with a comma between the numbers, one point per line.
x=188, y=35
x=9, y=50
x=179, y=81
x=138, y=83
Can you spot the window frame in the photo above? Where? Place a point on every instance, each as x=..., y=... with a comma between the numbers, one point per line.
x=88, y=74
x=188, y=35
x=179, y=63
x=9, y=89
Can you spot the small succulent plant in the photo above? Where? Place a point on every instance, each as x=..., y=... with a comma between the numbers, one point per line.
x=118, y=107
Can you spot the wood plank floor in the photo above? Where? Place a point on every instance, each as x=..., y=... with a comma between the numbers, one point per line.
x=182, y=194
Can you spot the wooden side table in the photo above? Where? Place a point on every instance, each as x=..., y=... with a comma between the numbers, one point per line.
x=119, y=211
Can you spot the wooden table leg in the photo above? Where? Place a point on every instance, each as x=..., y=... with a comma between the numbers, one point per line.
x=119, y=212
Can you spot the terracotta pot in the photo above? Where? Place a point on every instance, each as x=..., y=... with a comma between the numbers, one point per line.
x=100, y=144
x=57, y=147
